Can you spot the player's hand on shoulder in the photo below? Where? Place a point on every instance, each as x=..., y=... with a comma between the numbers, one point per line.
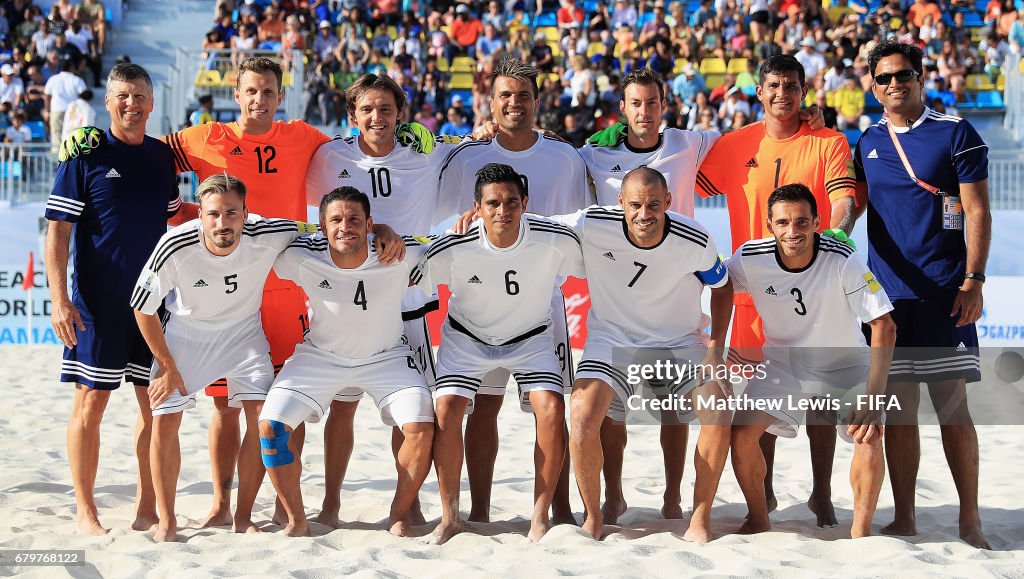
x=416, y=136
x=81, y=141
x=464, y=221
x=165, y=383
x=813, y=117
x=841, y=236
x=486, y=131
x=608, y=137
x=66, y=319
x=390, y=246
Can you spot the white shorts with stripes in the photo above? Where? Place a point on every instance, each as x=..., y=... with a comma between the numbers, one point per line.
x=493, y=384
x=784, y=383
x=417, y=334
x=602, y=360
x=239, y=352
x=463, y=361
x=312, y=378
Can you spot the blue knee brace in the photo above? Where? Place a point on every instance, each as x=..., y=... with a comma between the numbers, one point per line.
x=279, y=442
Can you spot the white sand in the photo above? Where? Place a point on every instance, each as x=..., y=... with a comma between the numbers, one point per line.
x=37, y=508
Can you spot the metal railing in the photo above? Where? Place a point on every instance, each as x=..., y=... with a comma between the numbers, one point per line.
x=1013, y=96
x=26, y=172
x=196, y=73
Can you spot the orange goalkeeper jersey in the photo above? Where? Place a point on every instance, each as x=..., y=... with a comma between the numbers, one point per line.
x=746, y=165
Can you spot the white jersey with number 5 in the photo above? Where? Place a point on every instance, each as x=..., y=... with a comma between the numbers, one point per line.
x=213, y=291
x=499, y=294
x=646, y=297
x=677, y=156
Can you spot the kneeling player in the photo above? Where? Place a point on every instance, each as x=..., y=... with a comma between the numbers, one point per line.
x=502, y=273
x=812, y=294
x=646, y=269
x=217, y=266
x=348, y=288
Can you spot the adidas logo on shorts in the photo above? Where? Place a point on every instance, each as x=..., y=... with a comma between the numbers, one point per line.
x=752, y=163
x=325, y=285
x=961, y=348
x=113, y=174
x=344, y=174
x=236, y=151
x=200, y=283
x=770, y=291
x=609, y=256
x=474, y=279
x=873, y=154
x=616, y=169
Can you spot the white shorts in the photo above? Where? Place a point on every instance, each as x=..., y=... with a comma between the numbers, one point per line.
x=602, y=360
x=790, y=386
x=463, y=361
x=417, y=335
x=312, y=378
x=239, y=352
x=494, y=382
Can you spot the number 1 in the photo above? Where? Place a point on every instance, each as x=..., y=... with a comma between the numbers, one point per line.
x=778, y=169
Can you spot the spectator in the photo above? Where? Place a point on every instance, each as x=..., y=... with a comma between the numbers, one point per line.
x=271, y=30
x=1006, y=19
x=52, y=66
x=572, y=132
x=66, y=9
x=650, y=30
x=465, y=31
x=294, y=38
x=541, y=56
x=599, y=23
x=82, y=39
x=574, y=42
x=92, y=14
x=490, y=44
x=921, y=8
x=708, y=121
x=835, y=76
x=739, y=119
x=61, y=90
x=953, y=68
x=789, y=34
x=734, y=102
x=352, y=43
x=582, y=85
x=67, y=51
x=18, y=132
x=624, y=15
x=717, y=96
x=495, y=16
x=812, y=60
x=203, y=114
x=568, y=14
x=693, y=112
x=431, y=92
x=427, y=118
x=828, y=113
x=849, y=104
x=438, y=47
x=457, y=104
x=413, y=46
x=456, y=124
x=242, y=42
x=55, y=22
x=687, y=85
x=1017, y=37
x=403, y=61
x=79, y=114
x=34, y=103
x=43, y=40
x=12, y=89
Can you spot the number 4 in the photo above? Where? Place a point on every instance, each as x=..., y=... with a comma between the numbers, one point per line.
x=360, y=299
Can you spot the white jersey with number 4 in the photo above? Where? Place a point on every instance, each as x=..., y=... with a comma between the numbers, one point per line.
x=499, y=294
x=646, y=297
x=677, y=156
x=556, y=177
x=818, y=307
x=213, y=291
x=356, y=313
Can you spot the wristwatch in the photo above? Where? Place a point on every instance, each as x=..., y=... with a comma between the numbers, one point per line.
x=975, y=276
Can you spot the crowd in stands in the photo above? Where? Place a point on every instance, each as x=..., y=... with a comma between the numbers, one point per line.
x=47, y=58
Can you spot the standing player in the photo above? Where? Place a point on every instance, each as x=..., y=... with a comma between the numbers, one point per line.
x=926, y=175
x=745, y=166
x=646, y=269
x=557, y=177
x=394, y=175
x=501, y=274
x=216, y=265
x=348, y=287
x=813, y=295
x=117, y=202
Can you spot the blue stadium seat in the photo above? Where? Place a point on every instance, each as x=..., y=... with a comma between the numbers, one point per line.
x=972, y=19
x=692, y=6
x=38, y=130
x=990, y=99
x=871, y=103
x=467, y=97
x=875, y=117
x=647, y=17
x=547, y=19
x=590, y=6
x=852, y=136
x=10, y=169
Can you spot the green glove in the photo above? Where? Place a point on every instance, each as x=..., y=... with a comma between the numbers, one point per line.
x=839, y=235
x=609, y=137
x=416, y=136
x=80, y=142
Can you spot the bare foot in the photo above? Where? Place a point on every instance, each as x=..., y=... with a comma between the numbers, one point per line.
x=144, y=522
x=166, y=534
x=771, y=502
x=751, y=528
x=245, y=526
x=612, y=510
x=593, y=527
x=218, y=517
x=299, y=529
x=327, y=518
x=89, y=524
x=973, y=536
x=401, y=528
x=822, y=507
x=900, y=528
x=563, y=515
x=698, y=534
x=539, y=528
x=445, y=531
x=672, y=510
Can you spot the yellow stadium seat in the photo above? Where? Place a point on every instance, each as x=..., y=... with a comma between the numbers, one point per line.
x=1001, y=83
x=737, y=65
x=979, y=82
x=447, y=30
x=551, y=33
x=555, y=78
x=286, y=79
x=442, y=64
x=596, y=48
x=392, y=31
x=712, y=66
x=713, y=80
x=679, y=66
x=208, y=78
x=461, y=80
x=229, y=78
x=463, y=64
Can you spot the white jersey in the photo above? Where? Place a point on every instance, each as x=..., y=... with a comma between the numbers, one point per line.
x=677, y=156
x=646, y=297
x=499, y=294
x=356, y=313
x=400, y=186
x=212, y=291
x=556, y=177
x=820, y=306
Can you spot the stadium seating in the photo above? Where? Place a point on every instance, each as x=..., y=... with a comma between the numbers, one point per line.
x=737, y=65
x=10, y=169
x=38, y=129
x=463, y=64
x=978, y=82
x=713, y=65
x=208, y=78
x=989, y=99
x=461, y=80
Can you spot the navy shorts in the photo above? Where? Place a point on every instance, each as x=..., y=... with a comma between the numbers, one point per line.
x=110, y=348
x=929, y=346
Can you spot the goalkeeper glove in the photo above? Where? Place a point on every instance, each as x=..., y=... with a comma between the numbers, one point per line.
x=609, y=137
x=416, y=136
x=81, y=141
x=839, y=235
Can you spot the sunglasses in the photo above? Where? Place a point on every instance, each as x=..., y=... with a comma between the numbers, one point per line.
x=905, y=75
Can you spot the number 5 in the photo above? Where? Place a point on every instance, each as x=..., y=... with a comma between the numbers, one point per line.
x=229, y=280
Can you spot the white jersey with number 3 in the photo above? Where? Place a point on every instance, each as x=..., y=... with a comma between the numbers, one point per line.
x=646, y=297
x=499, y=294
x=213, y=291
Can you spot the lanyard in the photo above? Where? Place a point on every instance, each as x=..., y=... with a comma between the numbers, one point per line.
x=906, y=163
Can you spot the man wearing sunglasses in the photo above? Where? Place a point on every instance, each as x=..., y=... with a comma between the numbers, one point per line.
x=924, y=176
